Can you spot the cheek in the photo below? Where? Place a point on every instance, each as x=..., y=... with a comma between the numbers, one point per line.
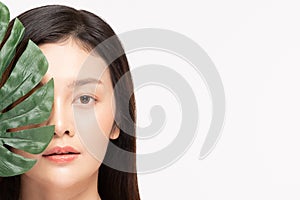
x=93, y=127
x=105, y=118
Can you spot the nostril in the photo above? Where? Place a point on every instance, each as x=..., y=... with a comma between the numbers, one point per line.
x=62, y=133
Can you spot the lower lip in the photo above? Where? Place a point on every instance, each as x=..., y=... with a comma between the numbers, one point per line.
x=62, y=158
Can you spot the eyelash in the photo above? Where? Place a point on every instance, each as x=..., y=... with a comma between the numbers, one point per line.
x=84, y=96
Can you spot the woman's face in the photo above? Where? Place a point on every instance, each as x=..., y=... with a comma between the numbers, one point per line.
x=83, y=104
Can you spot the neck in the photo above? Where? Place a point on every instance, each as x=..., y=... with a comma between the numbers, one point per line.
x=34, y=190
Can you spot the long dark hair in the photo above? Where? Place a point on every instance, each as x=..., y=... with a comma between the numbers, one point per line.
x=54, y=23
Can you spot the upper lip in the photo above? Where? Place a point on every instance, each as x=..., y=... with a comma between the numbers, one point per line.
x=60, y=150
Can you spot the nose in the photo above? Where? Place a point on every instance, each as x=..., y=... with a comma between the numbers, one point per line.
x=61, y=118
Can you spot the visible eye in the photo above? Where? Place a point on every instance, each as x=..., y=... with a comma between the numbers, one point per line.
x=85, y=99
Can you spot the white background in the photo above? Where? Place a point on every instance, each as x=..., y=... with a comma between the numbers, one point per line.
x=255, y=46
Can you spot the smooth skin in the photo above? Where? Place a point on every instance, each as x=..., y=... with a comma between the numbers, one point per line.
x=75, y=89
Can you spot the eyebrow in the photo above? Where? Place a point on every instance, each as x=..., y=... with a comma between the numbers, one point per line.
x=82, y=82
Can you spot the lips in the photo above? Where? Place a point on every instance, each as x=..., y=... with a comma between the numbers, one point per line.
x=61, y=150
x=61, y=154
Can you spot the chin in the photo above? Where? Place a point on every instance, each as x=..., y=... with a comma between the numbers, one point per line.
x=62, y=176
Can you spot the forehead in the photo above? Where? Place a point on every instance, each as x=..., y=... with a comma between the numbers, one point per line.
x=67, y=60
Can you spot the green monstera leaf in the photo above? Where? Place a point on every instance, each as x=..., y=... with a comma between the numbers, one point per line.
x=17, y=111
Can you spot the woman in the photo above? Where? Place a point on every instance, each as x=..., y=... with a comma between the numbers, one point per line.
x=68, y=168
